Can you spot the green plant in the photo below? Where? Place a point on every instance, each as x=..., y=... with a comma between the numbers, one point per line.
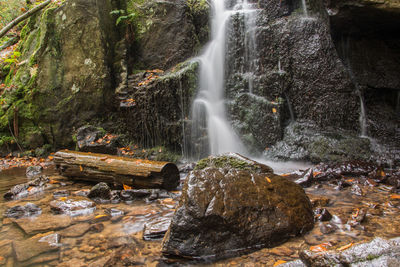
x=123, y=16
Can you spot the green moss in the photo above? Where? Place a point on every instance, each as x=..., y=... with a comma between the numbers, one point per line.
x=226, y=162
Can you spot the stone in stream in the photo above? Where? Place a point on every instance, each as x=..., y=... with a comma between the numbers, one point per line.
x=322, y=214
x=32, y=171
x=43, y=223
x=91, y=139
x=75, y=230
x=229, y=210
x=156, y=228
x=378, y=252
x=32, y=187
x=29, y=209
x=100, y=191
x=72, y=208
x=29, y=248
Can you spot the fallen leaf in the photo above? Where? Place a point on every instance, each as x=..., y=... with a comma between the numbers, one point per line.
x=395, y=196
x=127, y=187
x=103, y=158
x=279, y=262
x=273, y=110
x=63, y=198
x=100, y=216
x=50, y=157
x=321, y=247
x=30, y=188
x=81, y=168
x=268, y=180
x=345, y=247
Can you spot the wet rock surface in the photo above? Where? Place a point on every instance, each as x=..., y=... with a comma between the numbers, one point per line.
x=227, y=209
x=34, y=246
x=100, y=191
x=92, y=139
x=378, y=251
x=30, y=188
x=27, y=210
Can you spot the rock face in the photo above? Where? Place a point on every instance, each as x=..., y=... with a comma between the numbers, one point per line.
x=67, y=75
x=225, y=211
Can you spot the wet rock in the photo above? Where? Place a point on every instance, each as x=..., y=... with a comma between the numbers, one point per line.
x=113, y=212
x=33, y=171
x=357, y=217
x=34, y=246
x=47, y=257
x=82, y=193
x=60, y=193
x=322, y=214
x=32, y=187
x=75, y=230
x=100, y=191
x=115, y=196
x=306, y=178
x=43, y=223
x=91, y=139
x=350, y=168
x=29, y=209
x=72, y=208
x=356, y=190
x=225, y=210
x=156, y=228
x=359, y=255
x=132, y=194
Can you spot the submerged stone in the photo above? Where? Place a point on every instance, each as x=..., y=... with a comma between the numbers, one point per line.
x=75, y=230
x=43, y=223
x=27, y=210
x=156, y=228
x=26, y=249
x=226, y=211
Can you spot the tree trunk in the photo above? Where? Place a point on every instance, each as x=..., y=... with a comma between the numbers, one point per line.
x=137, y=173
x=26, y=15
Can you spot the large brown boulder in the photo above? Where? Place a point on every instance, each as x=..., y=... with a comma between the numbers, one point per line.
x=224, y=211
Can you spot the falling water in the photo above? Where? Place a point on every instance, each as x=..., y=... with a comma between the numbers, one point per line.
x=304, y=5
x=209, y=106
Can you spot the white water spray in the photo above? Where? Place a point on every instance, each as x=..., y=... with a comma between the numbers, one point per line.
x=209, y=106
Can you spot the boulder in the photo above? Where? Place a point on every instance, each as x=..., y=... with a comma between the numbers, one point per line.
x=227, y=210
x=72, y=208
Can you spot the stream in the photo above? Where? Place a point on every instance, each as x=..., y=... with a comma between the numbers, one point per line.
x=115, y=233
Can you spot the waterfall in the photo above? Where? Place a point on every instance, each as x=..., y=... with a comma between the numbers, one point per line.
x=304, y=6
x=210, y=123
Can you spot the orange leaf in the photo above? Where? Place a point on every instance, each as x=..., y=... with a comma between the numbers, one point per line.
x=268, y=180
x=50, y=157
x=395, y=196
x=279, y=262
x=103, y=158
x=382, y=174
x=100, y=216
x=54, y=181
x=81, y=168
x=315, y=173
x=320, y=247
x=30, y=188
x=63, y=198
x=126, y=187
x=345, y=247
x=109, y=160
x=273, y=110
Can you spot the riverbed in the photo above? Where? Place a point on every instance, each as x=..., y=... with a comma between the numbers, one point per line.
x=130, y=233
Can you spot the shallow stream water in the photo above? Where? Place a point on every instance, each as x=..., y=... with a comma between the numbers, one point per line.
x=98, y=239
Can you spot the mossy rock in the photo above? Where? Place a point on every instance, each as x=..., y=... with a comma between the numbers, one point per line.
x=232, y=161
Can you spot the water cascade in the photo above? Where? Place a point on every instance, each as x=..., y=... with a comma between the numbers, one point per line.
x=210, y=123
x=304, y=6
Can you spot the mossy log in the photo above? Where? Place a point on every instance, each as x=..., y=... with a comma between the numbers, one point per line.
x=137, y=173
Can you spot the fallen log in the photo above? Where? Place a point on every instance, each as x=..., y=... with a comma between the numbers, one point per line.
x=138, y=173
